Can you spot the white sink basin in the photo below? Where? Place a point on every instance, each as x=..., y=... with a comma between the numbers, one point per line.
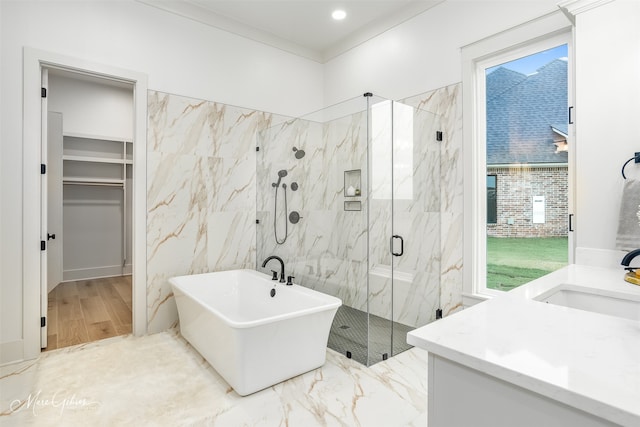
x=598, y=301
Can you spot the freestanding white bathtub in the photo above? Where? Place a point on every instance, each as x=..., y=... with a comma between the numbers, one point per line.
x=254, y=340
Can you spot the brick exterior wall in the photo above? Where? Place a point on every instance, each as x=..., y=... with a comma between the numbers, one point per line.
x=515, y=190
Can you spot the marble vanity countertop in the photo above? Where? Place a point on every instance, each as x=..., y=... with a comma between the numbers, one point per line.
x=586, y=360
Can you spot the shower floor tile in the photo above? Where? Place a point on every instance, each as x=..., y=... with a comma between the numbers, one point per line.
x=349, y=335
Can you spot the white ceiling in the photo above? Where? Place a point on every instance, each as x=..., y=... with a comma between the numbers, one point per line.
x=302, y=27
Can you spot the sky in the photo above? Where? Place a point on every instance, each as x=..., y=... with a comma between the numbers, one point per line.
x=529, y=64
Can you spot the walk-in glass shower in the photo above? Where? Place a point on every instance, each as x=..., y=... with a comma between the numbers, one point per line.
x=349, y=198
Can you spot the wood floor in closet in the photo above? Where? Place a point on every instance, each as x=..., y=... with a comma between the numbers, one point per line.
x=88, y=310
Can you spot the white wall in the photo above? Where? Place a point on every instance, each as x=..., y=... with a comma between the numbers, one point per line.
x=607, y=118
x=92, y=107
x=179, y=56
x=424, y=53
x=2, y=179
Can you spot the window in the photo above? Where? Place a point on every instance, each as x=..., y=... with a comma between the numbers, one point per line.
x=492, y=204
x=515, y=127
x=392, y=130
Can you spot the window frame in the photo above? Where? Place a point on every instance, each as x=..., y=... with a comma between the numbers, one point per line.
x=534, y=36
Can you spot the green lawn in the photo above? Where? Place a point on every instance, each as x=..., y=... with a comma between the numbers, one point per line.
x=514, y=261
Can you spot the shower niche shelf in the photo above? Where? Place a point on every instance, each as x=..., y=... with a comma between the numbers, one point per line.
x=352, y=189
x=352, y=205
x=352, y=181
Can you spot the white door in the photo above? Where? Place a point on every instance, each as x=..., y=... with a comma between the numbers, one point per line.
x=54, y=205
x=43, y=210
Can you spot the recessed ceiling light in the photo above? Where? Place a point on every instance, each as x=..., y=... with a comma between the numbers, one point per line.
x=338, y=14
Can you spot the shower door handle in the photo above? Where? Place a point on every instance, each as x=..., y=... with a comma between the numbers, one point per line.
x=395, y=236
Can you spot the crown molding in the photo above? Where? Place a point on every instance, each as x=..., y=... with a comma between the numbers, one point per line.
x=571, y=8
x=192, y=11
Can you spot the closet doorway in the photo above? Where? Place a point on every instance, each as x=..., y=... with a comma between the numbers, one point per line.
x=89, y=150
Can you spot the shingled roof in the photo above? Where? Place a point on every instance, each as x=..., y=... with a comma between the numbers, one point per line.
x=523, y=112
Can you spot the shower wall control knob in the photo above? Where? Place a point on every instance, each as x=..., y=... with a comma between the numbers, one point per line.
x=294, y=217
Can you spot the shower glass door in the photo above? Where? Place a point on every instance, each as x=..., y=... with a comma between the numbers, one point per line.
x=415, y=237
x=404, y=224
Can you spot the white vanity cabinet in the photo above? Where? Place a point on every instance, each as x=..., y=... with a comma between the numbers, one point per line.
x=516, y=361
x=462, y=396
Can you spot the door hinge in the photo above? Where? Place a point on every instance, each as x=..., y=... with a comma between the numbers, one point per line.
x=43, y=245
x=257, y=148
x=43, y=168
x=438, y=313
x=438, y=135
x=43, y=92
x=43, y=322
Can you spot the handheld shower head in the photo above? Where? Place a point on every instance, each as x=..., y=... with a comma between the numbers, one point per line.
x=281, y=174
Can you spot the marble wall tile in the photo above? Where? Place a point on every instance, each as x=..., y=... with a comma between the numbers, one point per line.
x=231, y=240
x=415, y=302
x=446, y=103
x=177, y=124
x=233, y=183
x=427, y=164
x=176, y=225
x=233, y=130
x=452, y=263
x=201, y=195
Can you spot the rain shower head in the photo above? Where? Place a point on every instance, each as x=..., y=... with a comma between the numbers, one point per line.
x=299, y=153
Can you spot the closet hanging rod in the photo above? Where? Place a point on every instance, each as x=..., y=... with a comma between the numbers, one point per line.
x=94, y=184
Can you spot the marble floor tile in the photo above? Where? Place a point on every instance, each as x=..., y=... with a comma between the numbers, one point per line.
x=161, y=380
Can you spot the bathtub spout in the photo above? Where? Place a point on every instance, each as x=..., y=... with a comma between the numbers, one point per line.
x=264, y=264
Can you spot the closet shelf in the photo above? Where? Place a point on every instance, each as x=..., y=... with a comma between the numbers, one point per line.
x=96, y=159
x=98, y=137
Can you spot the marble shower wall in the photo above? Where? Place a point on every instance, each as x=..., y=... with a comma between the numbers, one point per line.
x=201, y=203
x=326, y=250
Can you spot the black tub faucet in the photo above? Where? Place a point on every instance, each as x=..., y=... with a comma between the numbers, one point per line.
x=264, y=264
x=628, y=257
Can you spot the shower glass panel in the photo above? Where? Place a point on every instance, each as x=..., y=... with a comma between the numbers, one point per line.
x=327, y=185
